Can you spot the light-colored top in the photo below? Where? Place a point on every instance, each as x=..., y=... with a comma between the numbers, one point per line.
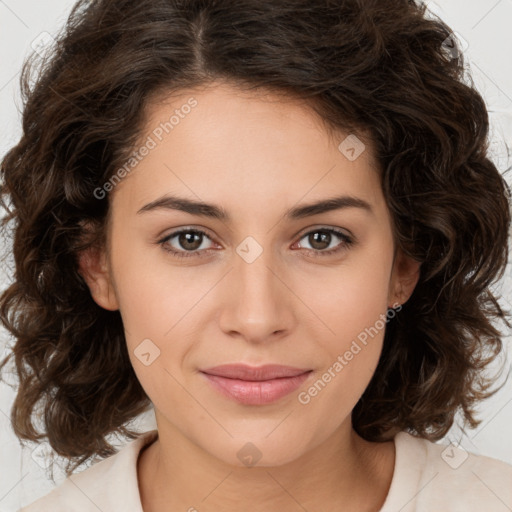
x=428, y=477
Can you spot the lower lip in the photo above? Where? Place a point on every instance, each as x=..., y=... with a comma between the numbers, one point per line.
x=256, y=392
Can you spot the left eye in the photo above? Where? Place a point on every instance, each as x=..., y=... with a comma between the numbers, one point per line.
x=321, y=238
x=190, y=242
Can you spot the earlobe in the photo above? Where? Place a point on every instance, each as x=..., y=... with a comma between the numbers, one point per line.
x=92, y=266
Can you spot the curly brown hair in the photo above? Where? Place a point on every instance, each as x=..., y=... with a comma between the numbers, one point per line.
x=364, y=66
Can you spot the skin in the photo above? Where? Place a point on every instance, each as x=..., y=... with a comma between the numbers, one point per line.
x=256, y=155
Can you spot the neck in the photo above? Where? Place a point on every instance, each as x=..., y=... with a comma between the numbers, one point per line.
x=176, y=474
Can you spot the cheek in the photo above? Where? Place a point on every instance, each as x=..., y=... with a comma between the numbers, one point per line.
x=352, y=297
x=152, y=294
x=161, y=306
x=354, y=308
x=352, y=305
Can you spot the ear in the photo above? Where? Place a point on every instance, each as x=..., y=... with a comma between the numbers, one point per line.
x=93, y=267
x=404, y=277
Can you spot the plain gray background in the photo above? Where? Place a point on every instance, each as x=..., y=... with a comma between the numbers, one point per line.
x=483, y=24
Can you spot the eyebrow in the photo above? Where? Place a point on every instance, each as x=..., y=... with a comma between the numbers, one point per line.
x=217, y=212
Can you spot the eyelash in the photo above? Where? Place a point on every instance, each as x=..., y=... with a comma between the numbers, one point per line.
x=347, y=242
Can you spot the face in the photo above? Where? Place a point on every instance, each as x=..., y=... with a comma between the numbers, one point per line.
x=270, y=282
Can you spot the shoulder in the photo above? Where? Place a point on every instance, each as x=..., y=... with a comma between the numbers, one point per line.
x=108, y=485
x=432, y=477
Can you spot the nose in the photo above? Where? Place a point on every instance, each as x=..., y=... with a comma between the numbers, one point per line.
x=258, y=302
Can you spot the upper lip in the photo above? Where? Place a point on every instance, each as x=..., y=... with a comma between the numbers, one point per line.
x=255, y=373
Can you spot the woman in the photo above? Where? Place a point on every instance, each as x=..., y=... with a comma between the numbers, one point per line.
x=277, y=224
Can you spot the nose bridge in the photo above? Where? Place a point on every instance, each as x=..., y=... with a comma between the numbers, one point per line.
x=257, y=286
x=253, y=268
x=258, y=305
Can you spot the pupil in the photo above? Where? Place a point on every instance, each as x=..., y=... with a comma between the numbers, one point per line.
x=320, y=237
x=186, y=240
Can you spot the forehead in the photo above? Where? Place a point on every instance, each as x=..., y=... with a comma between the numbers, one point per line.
x=223, y=139
x=247, y=106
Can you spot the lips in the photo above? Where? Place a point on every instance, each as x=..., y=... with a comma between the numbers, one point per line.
x=253, y=373
x=255, y=385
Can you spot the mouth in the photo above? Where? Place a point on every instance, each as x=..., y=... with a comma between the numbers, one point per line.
x=251, y=385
